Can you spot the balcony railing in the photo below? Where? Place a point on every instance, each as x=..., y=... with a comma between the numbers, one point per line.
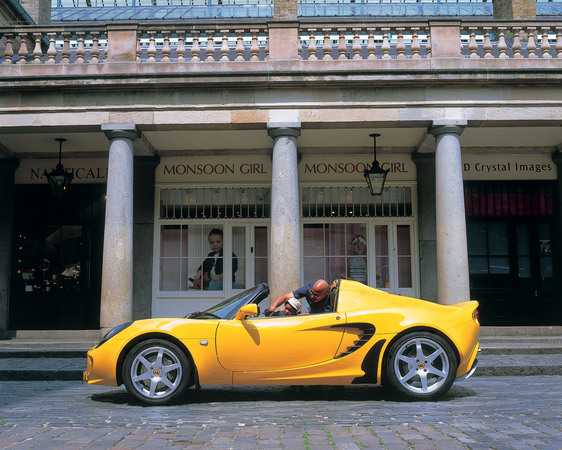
x=234, y=42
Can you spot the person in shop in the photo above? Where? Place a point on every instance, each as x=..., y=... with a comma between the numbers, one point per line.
x=210, y=273
x=316, y=295
x=358, y=262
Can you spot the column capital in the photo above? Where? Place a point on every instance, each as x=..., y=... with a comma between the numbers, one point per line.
x=440, y=127
x=120, y=131
x=286, y=129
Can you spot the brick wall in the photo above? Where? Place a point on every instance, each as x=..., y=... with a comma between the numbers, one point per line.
x=39, y=10
x=285, y=10
x=514, y=9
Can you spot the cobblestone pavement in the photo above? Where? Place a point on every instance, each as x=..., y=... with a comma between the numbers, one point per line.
x=485, y=412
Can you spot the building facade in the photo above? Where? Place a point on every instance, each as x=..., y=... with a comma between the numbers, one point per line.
x=260, y=128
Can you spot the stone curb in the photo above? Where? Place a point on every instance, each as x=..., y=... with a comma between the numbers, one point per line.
x=47, y=353
x=41, y=375
x=513, y=371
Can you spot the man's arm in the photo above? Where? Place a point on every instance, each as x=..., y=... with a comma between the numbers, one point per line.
x=278, y=302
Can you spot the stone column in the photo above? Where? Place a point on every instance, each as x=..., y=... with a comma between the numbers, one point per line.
x=452, y=252
x=143, y=236
x=425, y=163
x=285, y=273
x=8, y=167
x=117, y=271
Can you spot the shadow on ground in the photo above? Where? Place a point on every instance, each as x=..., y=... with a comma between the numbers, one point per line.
x=230, y=394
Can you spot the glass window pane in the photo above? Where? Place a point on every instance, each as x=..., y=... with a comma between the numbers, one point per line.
x=478, y=265
x=545, y=244
x=404, y=272
x=547, y=271
x=524, y=263
x=403, y=236
x=383, y=278
x=335, y=239
x=477, y=236
x=381, y=257
x=497, y=239
x=261, y=265
x=381, y=240
x=169, y=274
x=239, y=257
x=499, y=265
x=313, y=240
x=336, y=269
x=170, y=238
x=523, y=245
x=314, y=268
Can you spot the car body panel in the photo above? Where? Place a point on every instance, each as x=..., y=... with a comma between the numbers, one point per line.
x=349, y=346
x=278, y=343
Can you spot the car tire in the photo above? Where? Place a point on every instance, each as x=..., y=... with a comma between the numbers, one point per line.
x=421, y=366
x=156, y=371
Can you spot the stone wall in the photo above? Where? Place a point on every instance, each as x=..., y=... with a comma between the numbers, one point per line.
x=39, y=10
x=285, y=10
x=514, y=9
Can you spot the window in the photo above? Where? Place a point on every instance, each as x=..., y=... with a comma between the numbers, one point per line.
x=337, y=250
x=192, y=257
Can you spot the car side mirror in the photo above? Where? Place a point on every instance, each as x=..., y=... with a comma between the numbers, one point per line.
x=248, y=310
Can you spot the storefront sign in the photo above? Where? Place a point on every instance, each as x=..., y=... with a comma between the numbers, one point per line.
x=85, y=171
x=350, y=168
x=256, y=168
x=509, y=167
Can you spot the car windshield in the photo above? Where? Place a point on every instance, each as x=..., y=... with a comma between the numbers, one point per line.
x=228, y=308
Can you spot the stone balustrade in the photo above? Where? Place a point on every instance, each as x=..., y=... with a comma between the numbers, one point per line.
x=365, y=41
x=254, y=42
x=511, y=40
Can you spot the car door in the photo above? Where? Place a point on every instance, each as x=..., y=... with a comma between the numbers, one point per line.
x=277, y=343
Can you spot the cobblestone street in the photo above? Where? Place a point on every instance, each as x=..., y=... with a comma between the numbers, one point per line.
x=482, y=412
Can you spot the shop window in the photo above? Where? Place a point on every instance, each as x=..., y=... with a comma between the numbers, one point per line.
x=334, y=251
x=488, y=248
x=57, y=258
x=192, y=257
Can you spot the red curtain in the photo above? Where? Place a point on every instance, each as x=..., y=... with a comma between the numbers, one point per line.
x=505, y=201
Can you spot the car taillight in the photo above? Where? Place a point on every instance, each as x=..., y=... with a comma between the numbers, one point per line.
x=476, y=316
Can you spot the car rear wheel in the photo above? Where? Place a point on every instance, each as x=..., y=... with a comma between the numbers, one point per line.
x=156, y=371
x=421, y=366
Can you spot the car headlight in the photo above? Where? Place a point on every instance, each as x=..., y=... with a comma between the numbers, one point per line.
x=113, y=332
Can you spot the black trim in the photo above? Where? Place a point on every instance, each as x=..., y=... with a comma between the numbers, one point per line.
x=368, y=332
x=370, y=364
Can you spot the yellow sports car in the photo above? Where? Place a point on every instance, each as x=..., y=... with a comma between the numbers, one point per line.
x=365, y=336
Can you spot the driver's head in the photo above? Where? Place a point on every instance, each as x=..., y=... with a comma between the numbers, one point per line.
x=319, y=291
x=292, y=307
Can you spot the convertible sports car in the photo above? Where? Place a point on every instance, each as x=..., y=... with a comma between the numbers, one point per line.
x=366, y=336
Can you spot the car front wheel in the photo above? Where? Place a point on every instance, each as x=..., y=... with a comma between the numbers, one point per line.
x=421, y=366
x=156, y=371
